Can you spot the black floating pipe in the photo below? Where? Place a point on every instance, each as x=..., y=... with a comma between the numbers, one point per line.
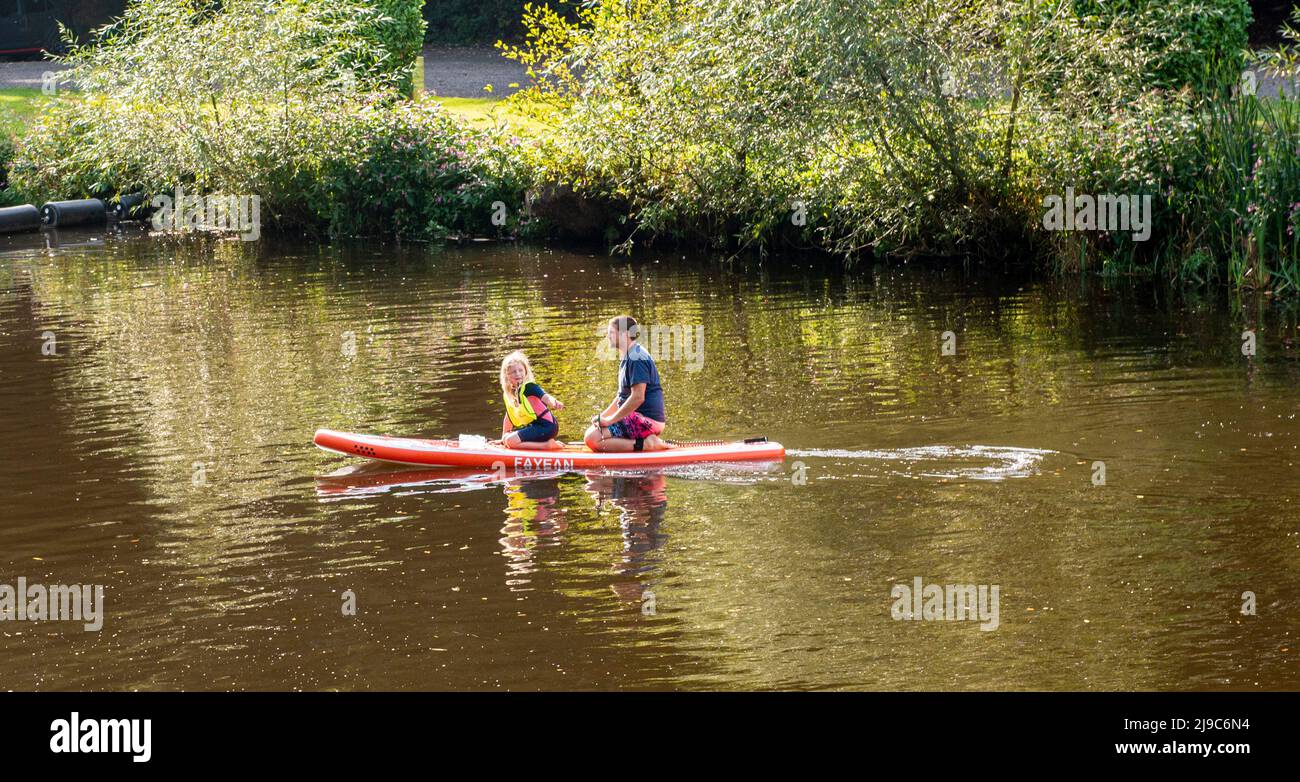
x=17, y=219
x=131, y=207
x=61, y=214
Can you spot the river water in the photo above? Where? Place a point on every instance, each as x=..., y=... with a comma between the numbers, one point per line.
x=1102, y=454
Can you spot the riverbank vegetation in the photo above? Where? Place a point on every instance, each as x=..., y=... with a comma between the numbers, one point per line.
x=894, y=129
x=300, y=103
x=873, y=129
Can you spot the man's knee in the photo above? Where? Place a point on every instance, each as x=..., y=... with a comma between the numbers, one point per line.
x=592, y=437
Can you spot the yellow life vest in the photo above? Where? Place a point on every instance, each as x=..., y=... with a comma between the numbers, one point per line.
x=519, y=408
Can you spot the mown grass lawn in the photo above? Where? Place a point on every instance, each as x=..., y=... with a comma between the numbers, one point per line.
x=489, y=112
x=18, y=105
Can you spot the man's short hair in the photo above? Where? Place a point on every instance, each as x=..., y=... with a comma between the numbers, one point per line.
x=626, y=324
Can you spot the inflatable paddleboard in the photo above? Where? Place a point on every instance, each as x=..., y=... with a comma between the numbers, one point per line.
x=450, y=453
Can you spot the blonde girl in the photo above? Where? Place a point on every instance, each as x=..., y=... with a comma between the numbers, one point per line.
x=529, y=422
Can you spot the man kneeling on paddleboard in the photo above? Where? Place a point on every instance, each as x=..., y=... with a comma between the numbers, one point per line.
x=635, y=419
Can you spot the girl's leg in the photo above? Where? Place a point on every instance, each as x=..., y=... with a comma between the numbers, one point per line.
x=526, y=439
x=512, y=441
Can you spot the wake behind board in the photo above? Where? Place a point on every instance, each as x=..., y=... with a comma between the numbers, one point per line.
x=449, y=453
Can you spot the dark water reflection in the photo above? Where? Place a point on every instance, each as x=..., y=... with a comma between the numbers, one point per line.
x=164, y=452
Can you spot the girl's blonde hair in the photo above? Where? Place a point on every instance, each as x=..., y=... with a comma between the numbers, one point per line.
x=516, y=357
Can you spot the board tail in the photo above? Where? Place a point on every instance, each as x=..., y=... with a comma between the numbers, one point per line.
x=707, y=443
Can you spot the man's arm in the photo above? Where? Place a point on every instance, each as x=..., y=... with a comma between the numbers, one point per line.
x=634, y=401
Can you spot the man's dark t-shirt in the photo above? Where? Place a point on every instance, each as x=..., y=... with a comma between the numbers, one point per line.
x=638, y=367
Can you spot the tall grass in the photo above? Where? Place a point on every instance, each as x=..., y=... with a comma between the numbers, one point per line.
x=1232, y=206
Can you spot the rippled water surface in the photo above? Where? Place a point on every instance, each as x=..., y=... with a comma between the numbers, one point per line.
x=164, y=451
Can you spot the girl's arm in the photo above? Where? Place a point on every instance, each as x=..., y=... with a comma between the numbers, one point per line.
x=506, y=426
x=552, y=402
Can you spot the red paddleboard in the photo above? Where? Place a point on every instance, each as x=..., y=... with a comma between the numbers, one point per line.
x=449, y=453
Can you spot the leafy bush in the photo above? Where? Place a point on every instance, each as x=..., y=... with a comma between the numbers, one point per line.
x=414, y=170
x=218, y=98
x=903, y=129
x=7, y=196
x=394, y=30
x=1225, y=170
x=268, y=99
x=6, y=158
x=1200, y=43
x=898, y=128
x=1226, y=176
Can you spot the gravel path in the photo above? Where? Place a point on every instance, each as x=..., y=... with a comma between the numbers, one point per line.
x=24, y=73
x=452, y=72
x=462, y=71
